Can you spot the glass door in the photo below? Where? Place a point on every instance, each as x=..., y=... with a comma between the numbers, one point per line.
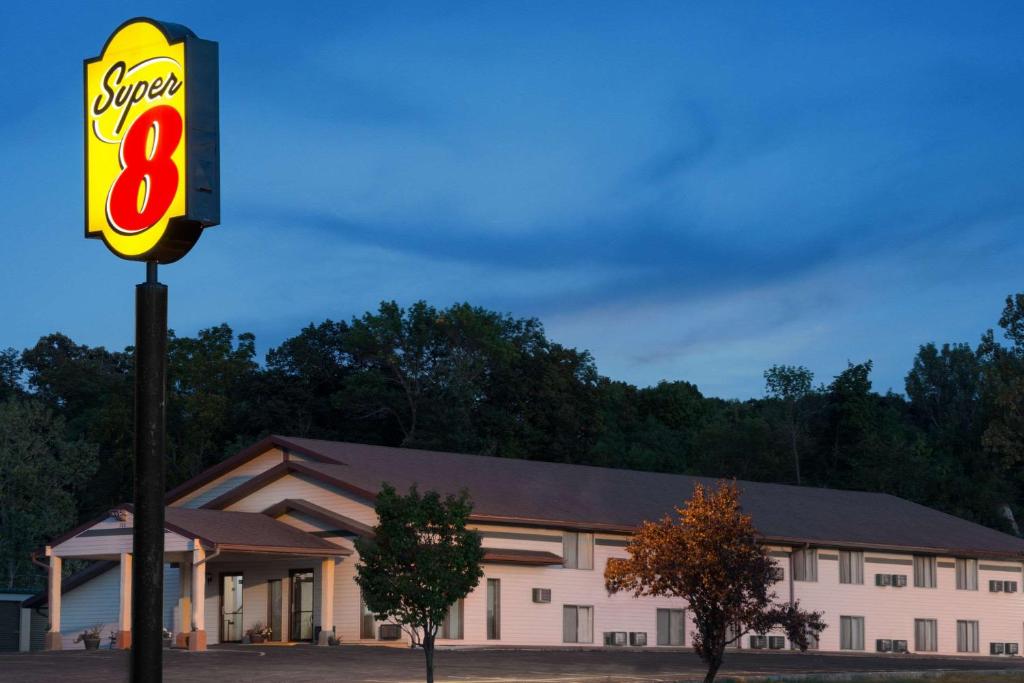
x=274, y=609
x=231, y=589
x=302, y=604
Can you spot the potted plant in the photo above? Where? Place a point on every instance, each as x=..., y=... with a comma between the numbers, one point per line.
x=259, y=632
x=90, y=637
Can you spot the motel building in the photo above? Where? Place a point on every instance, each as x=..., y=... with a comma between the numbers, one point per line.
x=267, y=536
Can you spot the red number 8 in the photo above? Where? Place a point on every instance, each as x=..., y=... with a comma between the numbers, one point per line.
x=156, y=170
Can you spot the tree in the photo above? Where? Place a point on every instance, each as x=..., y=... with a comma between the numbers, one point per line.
x=711, y=557
x=420, y=561
x=41, y=470
x=791, y=385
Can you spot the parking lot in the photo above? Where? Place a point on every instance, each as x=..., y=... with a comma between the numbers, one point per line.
x=355, y=664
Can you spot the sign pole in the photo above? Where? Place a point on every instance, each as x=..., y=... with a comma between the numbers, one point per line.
x=150, y=438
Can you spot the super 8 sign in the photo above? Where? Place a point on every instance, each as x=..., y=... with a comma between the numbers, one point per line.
x=152, y=151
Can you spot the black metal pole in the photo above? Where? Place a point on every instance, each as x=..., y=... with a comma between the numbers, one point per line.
x=148, y=549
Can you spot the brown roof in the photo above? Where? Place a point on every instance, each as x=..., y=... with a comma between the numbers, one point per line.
x=579, y=496
x=342, y=522
x=246, y=531
x=516, y=556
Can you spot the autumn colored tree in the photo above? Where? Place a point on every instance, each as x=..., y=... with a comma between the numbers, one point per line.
x=711, y=557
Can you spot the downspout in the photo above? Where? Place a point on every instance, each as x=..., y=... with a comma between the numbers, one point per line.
x=39, y=610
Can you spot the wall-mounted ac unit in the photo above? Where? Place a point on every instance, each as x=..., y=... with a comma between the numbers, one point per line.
x=883, y=579
x=776, y=642
x=899, y=646
x=899, y=580
x=995, y=586
x=996, y=648
x=883, y=645
x=1011, y=649
x=778, y=574
x=542, y=595
x=1009, y=586
x=638, y=638
x=758, y=642
x=389, y=632
x=617, y=638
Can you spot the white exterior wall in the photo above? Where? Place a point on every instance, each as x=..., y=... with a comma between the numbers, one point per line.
x=90, y=544
x=303, y=488
x=97, y=602
x=890, y=612
x=230, y=480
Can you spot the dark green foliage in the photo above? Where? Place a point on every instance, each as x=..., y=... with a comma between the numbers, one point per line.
x=41, y=472
x=470, y=380
x=421, y=560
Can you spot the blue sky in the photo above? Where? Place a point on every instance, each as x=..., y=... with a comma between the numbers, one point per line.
x=689, y=191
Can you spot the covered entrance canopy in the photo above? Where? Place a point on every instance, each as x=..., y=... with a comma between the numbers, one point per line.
x=192, y=538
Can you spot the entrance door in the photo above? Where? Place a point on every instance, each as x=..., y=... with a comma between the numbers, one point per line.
x=302, y=604
x=231, y=608
x=274, y=609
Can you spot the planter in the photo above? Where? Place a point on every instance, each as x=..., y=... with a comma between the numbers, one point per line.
x=256, y=639
x=92, y=643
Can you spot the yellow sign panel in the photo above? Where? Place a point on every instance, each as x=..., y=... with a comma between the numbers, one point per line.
x=151, y=141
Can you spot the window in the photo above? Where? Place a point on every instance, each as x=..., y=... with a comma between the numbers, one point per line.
x=577, y=624
x=926, y=635
x=851, y=566
x=924, y=571
x=851, y=633
x=671, y=627
x=493, y=609
x=966, y=576
x=805, y=565
x=451, y=627
x=967, y=636
x=577, y=550
x=366, y=620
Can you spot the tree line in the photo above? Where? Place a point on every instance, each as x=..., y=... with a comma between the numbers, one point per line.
x=472, y=380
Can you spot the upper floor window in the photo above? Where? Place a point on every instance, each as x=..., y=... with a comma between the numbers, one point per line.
x=577, y=550
x=851, y=566
x=966, y=574
x=924, y=571
x=805, y=564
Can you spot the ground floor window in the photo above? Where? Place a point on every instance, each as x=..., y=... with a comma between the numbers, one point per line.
x=967, y=636
x=926, y=635
x=493, y=609
x=671, y=627
x=577, y=624
x=851, y=633
x=366, y=620
x=451, y=627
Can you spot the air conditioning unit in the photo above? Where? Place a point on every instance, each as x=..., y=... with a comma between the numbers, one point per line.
x=883, y=579
x=778, y=574
x=758, y=642
x=389, y=632
x=883, y=645
x=1011, y=649
x=899, y=580
x=899, y=646
x=996, y=648
x=638, y=638
x=995, y=586
x=1009, y=586
x=776, y=642
x=542, y=595
x=617, y=638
